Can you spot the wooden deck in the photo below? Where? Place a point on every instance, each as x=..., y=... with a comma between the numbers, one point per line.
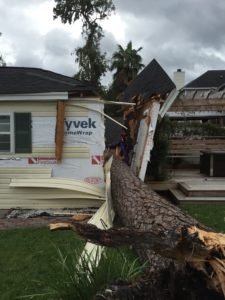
x=189, y=186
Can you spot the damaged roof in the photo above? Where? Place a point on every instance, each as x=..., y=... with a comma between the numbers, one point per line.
x=212, y=79
x=152, y=80
x=21, y=80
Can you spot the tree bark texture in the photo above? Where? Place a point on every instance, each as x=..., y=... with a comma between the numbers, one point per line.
x=139, y=207
x=186, y=260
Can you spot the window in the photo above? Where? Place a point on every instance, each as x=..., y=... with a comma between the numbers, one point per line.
x=15, y=133
x=22, y=123
x=5, y=133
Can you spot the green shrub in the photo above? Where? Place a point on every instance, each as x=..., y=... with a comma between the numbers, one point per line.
x=159, y=166
x=80, y=277
x=195, y=128
x=81, y=281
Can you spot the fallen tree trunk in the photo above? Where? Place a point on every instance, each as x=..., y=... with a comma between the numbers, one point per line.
x=166, y=237
x=139, y=207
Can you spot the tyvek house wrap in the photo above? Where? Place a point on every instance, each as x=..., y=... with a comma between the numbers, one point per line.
x=87, y=131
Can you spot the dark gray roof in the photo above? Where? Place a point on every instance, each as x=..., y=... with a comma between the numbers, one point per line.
x=152, y=80
x=210, y=79
x=19, y=80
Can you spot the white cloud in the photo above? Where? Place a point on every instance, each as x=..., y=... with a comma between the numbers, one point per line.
x=115, y=25
x=186, y=34
x=32, y=38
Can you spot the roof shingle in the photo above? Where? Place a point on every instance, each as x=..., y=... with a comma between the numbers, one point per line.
x=210, y=79
x=21, y=80
x=152, y=80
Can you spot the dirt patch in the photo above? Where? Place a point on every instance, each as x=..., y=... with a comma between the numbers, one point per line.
x=30, y=222
x=21, y=218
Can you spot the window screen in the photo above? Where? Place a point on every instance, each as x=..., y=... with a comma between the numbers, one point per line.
x=5, y=134
x=22, y=123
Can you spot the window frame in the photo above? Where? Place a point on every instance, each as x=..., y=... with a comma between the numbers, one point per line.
x=18, y=132
x=11, y=132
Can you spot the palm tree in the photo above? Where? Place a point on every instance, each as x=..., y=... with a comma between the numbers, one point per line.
x=127, y=63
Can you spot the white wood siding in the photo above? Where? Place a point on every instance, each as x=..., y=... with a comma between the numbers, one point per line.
x=49, y=152
x=43, y=111
x=41, y=165
x=40, y=109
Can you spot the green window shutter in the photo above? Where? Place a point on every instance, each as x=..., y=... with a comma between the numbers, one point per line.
x=23, y=141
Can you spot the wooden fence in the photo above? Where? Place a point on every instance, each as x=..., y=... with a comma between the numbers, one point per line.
x=191, y=147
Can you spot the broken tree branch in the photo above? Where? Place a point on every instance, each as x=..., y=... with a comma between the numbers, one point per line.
x=187, y=244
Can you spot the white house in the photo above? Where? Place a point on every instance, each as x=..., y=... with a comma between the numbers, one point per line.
x=51, y=140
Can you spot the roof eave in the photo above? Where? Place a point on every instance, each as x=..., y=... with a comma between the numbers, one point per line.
x=199, y=88
x=51, y=96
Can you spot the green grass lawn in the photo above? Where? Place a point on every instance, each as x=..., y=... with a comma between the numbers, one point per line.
x=28, y=260
x=30, y=265
x=211, y=215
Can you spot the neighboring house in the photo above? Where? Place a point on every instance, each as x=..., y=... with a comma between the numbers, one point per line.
x=202, y=98
x=51, y=137
x=203, y=101
x=211, y=80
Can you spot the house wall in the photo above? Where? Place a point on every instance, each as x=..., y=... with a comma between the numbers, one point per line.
x=83, y=147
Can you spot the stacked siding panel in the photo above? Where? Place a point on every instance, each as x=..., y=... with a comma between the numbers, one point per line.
x=30, y=188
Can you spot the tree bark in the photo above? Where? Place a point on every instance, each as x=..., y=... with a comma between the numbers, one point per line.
x=185, y=259
x=139, y=207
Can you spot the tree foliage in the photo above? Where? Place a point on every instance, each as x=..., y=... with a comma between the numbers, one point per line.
x=190, y=128
x=92, y=62
x=2, y=62
x=127, y=63
x=158, y=168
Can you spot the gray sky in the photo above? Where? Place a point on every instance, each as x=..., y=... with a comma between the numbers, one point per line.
x=186, y=34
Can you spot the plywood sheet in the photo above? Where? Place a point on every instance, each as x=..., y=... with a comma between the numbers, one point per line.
x=144, y=143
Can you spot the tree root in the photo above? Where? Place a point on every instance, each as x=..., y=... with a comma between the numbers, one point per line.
x=202, y=250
